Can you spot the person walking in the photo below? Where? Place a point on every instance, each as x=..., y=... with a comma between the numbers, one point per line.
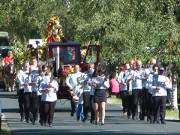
x=34, y=74
x=100, y=83
x=48, y=88
x=27, y=94
x=20, y=91
x=73, y=84
x=123, y=86
x=159, y=86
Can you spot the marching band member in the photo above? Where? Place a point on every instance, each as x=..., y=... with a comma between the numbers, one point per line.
x=74, y=85
x=158, y=86
x=34, y=73
x=123, y=87
x=128, y=80
x=44, y=69
x=88, y=93
x=48, y=87
x=27, y=94
x=20, y=91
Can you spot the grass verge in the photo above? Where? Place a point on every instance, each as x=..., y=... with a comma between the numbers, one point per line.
x=5, y=132
x=114, y=100
x=172, y=114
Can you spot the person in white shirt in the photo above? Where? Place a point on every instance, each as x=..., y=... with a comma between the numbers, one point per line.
x=159, y=86
x=34, y=74
x=39, y=79
x=88, y=93
x=48, y=87
x=74, y=85
x=101, y=84
x=20, y=90
x=27, y=94
x=123, y=86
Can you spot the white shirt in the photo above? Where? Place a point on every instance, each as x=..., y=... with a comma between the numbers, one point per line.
x=72, y=80
x=100, y=82
x=161, y=82
x=27, y=80
x=19, y=80
x=137, y=80
x=51, y=95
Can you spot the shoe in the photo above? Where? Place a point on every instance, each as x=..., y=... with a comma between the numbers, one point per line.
x=72, y=114
x=151, y=121
x=78, y=118
x=92, y=121
x=22, y=119
x=33, y=122
x=84, y=120
x=27, y=121
x=50, y=125
x=163, y=122
x=156, y=122
x=41, y=123
x=102, y=123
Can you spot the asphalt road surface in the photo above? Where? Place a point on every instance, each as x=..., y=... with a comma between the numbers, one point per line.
x=64, y=124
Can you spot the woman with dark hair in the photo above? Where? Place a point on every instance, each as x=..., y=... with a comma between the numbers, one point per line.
x=100, y=83
x=48, y=87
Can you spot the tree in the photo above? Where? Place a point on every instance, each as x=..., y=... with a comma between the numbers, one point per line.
x=125, y=27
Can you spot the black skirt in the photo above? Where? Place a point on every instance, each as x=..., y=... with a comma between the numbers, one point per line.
x=99, y=95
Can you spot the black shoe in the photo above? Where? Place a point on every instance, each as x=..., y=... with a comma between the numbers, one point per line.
x=72, y=114
x=84, y=120
x=102, y=123
x=156, y=122
x=92, y=121
x=78, y=118
x=50, y=125
x=163, y=122
x=134, y=117
x=27, y=121
x=151, y=121
x=22, y=119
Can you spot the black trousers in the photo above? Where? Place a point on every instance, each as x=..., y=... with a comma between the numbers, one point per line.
x=159, y=108
x=143, y=101
x=129, y=105
x=27, y=104
x=40, y=108
x=124, y=97
x=20, y=94
x=73, y=106
x=48, y=111
x=34, y=106
x=150, y=107
x=86, y=104
x=135, y=102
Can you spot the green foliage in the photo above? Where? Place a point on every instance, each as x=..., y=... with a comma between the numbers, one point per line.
x=124, y=28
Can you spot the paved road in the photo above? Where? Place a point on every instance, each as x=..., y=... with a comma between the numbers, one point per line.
x=115, y=122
